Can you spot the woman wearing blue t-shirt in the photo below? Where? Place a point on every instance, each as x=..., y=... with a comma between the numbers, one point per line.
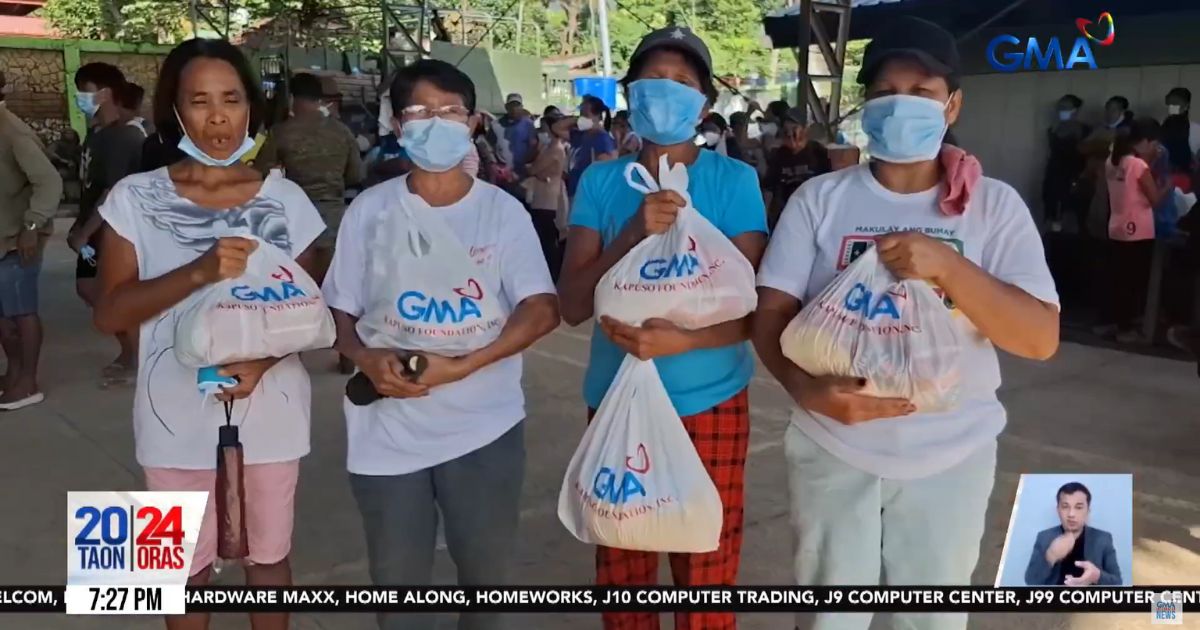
x=591, y=140
x=706, y=371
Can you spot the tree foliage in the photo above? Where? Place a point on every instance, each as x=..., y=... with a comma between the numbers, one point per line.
x=732, y=28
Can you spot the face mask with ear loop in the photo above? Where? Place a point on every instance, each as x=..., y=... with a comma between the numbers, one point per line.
x=191, y=150
x=903, y=129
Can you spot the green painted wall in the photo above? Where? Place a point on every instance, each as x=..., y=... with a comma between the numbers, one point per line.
x=73, y=51
x=497, y=74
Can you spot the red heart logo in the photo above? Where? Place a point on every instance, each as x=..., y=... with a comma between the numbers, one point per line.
x=691, y=244
x=643, y=458
x=283, y=275
x=899, y=292
x=1107, y=40
x=476, y=290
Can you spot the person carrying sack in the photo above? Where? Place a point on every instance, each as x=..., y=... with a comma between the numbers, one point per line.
x=447, y=267
x=878, y=482
x=164, y=243
x=706, y=371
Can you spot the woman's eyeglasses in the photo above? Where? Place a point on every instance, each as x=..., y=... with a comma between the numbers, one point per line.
x=456, y=113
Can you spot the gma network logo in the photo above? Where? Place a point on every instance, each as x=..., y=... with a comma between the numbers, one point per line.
x=1007, y=53
x=859, y=299
x=282, y=292
x=607, y=486
x=415, y=306
x=677, y=266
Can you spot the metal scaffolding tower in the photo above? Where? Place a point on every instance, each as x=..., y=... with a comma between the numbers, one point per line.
x=813, y=28
x=406, y=31
x=212, y=14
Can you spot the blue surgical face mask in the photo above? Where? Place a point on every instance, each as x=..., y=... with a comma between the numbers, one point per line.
x=191, y=150
x=663, y=111
x=1065, y=114
x=903, y=129
x=86, y=102
x=435, y=144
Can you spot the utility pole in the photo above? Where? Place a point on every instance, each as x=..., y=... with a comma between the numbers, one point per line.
x=605, y=49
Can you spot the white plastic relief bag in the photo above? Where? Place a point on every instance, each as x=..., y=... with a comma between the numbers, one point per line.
x=897, y=334
x=636, y=482
x=274, y=309
x=691, y=275
x=424, y=291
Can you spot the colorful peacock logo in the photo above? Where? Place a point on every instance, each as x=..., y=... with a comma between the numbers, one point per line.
x=1106, y=17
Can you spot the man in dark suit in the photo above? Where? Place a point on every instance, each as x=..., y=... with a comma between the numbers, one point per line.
x=1073, y=554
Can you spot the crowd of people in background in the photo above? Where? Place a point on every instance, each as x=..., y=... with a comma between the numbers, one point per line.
x=1121, y=184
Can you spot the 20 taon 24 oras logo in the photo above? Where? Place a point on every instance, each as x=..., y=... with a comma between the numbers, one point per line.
x=1007, y=53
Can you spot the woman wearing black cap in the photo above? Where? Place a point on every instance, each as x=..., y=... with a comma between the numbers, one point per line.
x=875, y=482
x=705, y=371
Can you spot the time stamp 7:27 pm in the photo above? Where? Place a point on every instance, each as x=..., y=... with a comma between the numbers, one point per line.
x=127, y=599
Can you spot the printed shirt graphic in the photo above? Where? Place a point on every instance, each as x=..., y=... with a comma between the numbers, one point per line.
x=393, y=436
x=726, y=192
x=830, y=221
x=109, y=154
x=1132, y=218
x=174, y=426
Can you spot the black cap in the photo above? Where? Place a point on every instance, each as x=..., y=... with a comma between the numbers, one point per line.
x=929, y=44
x=678, y=37
x=796, y=115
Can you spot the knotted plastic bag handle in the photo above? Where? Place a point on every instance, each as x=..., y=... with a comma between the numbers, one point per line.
x=418, y=244
x=670, y=177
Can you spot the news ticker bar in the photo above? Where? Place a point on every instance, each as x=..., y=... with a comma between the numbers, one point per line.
x=105, y=599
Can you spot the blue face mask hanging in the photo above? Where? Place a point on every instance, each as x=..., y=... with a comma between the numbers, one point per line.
x=86, y=102
x=434, y=144
x=903, y=129
x=190, y=149
x=663, y=111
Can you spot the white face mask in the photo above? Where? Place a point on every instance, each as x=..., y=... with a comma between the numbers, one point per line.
x=1174, y=110
x=585, y=124
x=711, y=138
x=324, y=109
x=768, y=128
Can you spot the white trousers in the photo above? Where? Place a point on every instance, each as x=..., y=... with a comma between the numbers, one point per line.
x=848, y=524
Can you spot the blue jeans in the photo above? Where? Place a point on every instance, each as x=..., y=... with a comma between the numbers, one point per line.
x=18, y=286
x=478, y=494
x=850, y=523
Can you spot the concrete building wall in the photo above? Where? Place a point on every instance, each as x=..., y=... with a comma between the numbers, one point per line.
x=1006, y=115
x=496, y=74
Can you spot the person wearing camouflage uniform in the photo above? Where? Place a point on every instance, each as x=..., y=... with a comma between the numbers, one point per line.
x=318, y=152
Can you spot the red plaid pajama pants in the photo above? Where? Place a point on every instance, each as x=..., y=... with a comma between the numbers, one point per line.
x=721, y=436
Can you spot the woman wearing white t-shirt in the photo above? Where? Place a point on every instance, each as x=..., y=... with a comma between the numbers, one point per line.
x=450, y=440
x=875, y=483
x=163, y=244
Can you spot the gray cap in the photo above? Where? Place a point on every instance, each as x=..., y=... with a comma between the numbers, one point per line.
x=678, y=37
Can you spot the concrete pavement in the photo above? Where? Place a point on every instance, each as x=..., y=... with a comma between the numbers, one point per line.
x=1088, y=410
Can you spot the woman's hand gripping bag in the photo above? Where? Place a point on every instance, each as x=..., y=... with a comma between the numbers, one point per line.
x=272, y=310
x=897, y=334
x=690, y=275
x=424, y=291
x=636, y=482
